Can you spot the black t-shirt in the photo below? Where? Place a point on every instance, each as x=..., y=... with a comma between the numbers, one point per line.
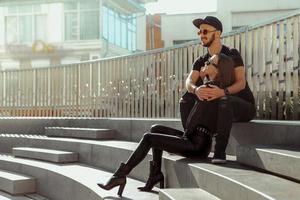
x=246, y=93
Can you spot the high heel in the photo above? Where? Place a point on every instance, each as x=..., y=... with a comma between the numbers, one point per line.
x=121, y=189
x=118, y=179
x=162, y=185
x=114, y=182
x=156, y=176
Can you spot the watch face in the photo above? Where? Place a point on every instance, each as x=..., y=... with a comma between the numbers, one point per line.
x=226, y=91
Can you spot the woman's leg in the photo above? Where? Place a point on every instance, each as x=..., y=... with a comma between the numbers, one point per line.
x=172, y=144
x=160, y=129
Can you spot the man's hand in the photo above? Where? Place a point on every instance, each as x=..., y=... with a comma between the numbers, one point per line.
x=215, y=92
x=205, y=93
x=202, y=92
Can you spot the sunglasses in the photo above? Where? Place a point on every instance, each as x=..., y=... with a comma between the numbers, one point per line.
x=205, y=31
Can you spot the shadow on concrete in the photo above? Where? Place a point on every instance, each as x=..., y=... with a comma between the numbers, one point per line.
x=116, y=198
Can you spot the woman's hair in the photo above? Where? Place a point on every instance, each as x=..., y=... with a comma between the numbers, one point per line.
x=225, y=76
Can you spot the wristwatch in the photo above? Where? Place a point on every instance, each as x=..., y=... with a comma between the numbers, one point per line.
x=226, y=91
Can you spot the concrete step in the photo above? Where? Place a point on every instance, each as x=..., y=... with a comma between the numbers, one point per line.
x=240, y=181
x=84, y=133
x=184, y=194
x=72, y=181
x=36, y=197
x=105, y=154
x=15, y=183
x=276, y=159
x=46, y=154
x=233, y=181
x=6, y=196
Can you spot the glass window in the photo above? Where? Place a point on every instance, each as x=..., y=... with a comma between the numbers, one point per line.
x=26, y=29
x=12, y=9
x=70, y=6
x=124, y=35
x=89, y=25
x=11, y=30
x=111, y=26
x=25, y=8
x=40, y=28
x=121, y=29
x=118, y=30
x=37, y=8
x=129, y=40
x=26, y=23
x=82, y=20
x=88, y=5
x=134, y=41
x=71, y=26
x=105, y=23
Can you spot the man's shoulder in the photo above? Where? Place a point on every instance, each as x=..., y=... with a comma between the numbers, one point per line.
x=202, y=58
x=230, y=51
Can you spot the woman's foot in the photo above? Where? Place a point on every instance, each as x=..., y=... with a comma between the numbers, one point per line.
x=155, y=176
x=118, y=179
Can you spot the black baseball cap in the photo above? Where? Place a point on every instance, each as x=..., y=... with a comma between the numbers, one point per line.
x=210, y=20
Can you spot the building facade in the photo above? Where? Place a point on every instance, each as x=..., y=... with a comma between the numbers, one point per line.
x=37, y=33
x=178, y=28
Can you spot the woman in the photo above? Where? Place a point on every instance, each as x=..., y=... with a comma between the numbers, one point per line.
x=194, y=142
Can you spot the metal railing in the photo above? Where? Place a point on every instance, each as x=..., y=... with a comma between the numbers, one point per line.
x=150, y=84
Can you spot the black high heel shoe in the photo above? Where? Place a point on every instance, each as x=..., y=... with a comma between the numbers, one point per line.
x=155, y=176
x=118, y=179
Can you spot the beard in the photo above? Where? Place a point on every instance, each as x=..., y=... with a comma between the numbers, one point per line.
x=209, y=42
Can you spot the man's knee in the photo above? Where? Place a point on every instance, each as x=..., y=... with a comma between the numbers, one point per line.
x=224, y=102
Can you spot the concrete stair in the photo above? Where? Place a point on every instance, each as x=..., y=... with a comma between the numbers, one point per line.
x=276, y=159
x=184, y=194
x=84, y=133
x=72, y=181
x=46, y=154
x=15, y=183
x=231, y=181
x=6, y=196
x=35, y=197
x=234, y=182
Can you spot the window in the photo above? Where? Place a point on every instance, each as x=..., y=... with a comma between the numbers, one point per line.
x=25, y=23
x=119, y=29
x=81, y=20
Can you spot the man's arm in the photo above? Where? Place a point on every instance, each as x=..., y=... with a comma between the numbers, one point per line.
x=192, y=79
x=240, y=80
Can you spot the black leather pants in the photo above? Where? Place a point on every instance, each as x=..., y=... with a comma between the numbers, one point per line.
x=162, y=138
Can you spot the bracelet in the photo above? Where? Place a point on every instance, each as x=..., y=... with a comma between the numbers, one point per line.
x=194, y=90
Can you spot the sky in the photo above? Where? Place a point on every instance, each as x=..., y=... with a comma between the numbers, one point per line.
x=181, y=6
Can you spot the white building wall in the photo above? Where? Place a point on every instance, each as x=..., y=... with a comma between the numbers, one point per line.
x=232, y=13
x=179, y=27
x=257, y=9
x=246, y=18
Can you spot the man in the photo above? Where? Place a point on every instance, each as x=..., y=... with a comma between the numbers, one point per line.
x=233, y=103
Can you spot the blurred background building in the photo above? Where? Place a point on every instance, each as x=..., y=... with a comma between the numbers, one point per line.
x=171, y=29
x=39, y=33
